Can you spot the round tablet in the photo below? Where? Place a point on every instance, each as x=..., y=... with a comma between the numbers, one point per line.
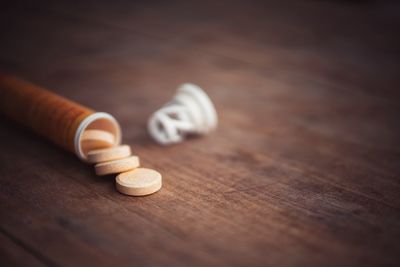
x=107, y=154
x=139, y=182
x=116, y=166
x=96, y=139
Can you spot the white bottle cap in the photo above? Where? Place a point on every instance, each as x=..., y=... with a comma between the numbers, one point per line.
x=189, y=112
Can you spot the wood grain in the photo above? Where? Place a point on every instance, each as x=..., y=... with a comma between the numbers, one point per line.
x=302, y=171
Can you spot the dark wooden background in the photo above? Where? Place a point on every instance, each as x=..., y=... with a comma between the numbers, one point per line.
x=302, y=171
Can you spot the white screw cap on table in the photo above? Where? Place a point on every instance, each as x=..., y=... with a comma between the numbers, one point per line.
x=189, y=112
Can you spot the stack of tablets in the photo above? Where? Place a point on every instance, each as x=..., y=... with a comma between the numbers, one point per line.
x=109, y=159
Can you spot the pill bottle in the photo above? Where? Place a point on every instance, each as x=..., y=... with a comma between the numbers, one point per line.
x=54, y=117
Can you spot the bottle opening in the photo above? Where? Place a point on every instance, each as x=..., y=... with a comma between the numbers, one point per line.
x=96, y=121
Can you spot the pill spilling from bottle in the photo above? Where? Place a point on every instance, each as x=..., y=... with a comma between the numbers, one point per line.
x=95, y=137
x=109, y=159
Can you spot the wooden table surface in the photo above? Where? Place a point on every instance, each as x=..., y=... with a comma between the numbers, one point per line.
x=302, y=171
